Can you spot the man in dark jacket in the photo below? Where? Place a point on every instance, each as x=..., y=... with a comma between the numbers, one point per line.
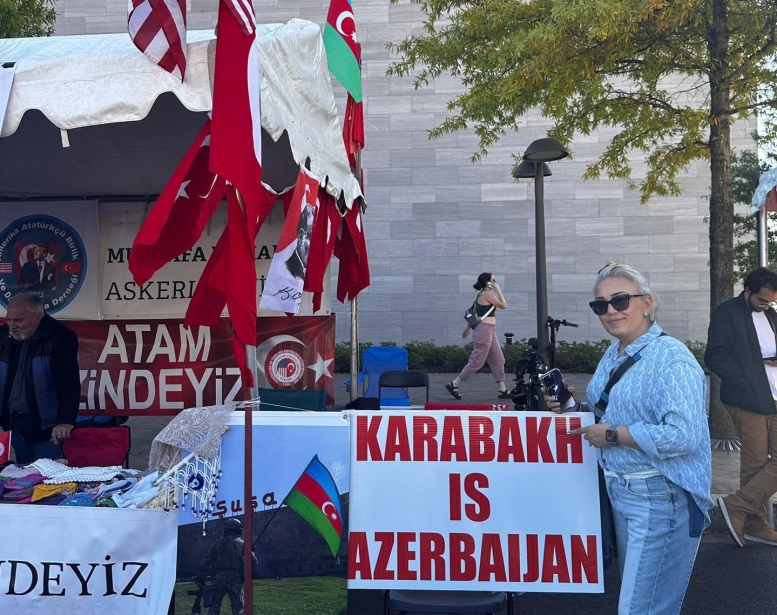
x=40, y=382
x=742, y=351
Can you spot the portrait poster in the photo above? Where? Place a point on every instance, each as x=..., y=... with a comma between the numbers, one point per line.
x=50, y=249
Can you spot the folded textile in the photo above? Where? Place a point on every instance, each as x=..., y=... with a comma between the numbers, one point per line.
x=15, y=471
x=19, y=496
x=140, y=493
x=78, y=499
x=25, y=481
x=44, y=491
x=52, y=500
x=60, y=473
x=116, y=486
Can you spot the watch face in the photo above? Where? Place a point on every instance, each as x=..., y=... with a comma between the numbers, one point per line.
x=611, y=435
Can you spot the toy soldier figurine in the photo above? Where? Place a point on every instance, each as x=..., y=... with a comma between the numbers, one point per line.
x=224, y=564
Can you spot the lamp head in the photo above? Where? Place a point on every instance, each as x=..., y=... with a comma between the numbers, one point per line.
x=528, y=170
x=545, y=150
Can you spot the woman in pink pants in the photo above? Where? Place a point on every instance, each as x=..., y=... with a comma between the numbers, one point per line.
x=487, y=348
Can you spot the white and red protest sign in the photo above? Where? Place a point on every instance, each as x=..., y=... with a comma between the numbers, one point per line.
x=473, y=501
x=157, y=367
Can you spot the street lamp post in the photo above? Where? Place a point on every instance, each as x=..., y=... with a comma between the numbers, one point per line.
x=533, y=165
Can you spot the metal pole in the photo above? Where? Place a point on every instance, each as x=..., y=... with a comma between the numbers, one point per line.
x=762, y=230
x=354, y=348
x=540, y=268
x=355, y=308
x=248, y=517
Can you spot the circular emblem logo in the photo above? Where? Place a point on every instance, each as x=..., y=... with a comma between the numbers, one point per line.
x=41, y=255
x=2, y=449
x=285, y=367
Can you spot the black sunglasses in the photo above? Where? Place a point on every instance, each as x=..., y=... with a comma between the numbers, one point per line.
x=619, y=302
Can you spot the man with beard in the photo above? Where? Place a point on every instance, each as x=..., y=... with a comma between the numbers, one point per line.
x=742, y=352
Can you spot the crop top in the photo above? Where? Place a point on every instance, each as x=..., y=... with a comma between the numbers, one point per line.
x=483, y=311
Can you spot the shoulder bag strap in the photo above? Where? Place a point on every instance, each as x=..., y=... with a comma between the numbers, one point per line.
x=604, y=398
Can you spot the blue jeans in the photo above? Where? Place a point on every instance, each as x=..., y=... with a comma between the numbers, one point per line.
x=658, y=531
x=27, y=452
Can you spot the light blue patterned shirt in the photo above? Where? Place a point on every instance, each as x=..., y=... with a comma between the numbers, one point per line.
x=661, y=399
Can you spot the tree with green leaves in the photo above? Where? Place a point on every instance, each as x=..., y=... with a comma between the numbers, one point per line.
x=588, y=64
x=23, y=18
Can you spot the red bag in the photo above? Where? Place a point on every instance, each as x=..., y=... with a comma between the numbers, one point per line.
x=97, y=446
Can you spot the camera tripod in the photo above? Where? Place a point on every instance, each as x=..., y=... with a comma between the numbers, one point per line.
x=527, y=393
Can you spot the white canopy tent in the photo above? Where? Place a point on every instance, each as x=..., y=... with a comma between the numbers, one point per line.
x=127, y=123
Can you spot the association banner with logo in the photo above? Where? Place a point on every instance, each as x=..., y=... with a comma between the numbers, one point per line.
x=473, y=500
x=101, y=560
x=157, y=367
x=51, y=249
x=167, y=293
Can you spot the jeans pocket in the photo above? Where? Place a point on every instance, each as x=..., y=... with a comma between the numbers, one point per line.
x=695, y=517
x=652, y=488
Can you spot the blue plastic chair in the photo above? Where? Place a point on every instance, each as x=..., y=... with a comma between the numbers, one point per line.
x=375, y=361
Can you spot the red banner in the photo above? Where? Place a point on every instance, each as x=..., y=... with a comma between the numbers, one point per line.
x=156, y=367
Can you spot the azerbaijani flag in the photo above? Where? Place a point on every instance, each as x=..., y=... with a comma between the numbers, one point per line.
x=342, y=47
x=316, y=499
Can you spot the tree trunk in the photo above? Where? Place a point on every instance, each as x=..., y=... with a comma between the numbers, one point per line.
x=721, y=199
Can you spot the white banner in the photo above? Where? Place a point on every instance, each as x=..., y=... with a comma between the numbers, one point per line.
x=51, y=249
x=473, y=501
x=60, y=560
x=167, y=294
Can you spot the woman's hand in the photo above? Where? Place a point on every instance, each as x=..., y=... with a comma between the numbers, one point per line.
x=595, y=435
x=465, y=333
x=552, y=404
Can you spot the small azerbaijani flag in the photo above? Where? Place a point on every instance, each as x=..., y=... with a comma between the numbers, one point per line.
x=316, y=499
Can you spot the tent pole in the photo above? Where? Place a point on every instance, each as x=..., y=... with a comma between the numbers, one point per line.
x=354, y=347
x=248, y=517
x=762, y=230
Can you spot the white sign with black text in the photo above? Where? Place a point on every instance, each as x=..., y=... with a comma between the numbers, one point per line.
x=60, y=560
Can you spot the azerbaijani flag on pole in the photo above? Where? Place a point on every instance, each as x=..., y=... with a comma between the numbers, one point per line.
x=316, y=499
x=342, y=47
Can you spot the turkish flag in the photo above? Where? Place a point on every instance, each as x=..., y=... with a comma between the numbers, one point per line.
x=353, y=128
x=322, y=244
x=210, y=295
x=5, y=447
x=181, y=212
x=351, y=249
x=71, y=267
x=236, y=138
x=229, y=279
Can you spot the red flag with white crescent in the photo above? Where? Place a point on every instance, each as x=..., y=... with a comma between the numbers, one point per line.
x=5, y=447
